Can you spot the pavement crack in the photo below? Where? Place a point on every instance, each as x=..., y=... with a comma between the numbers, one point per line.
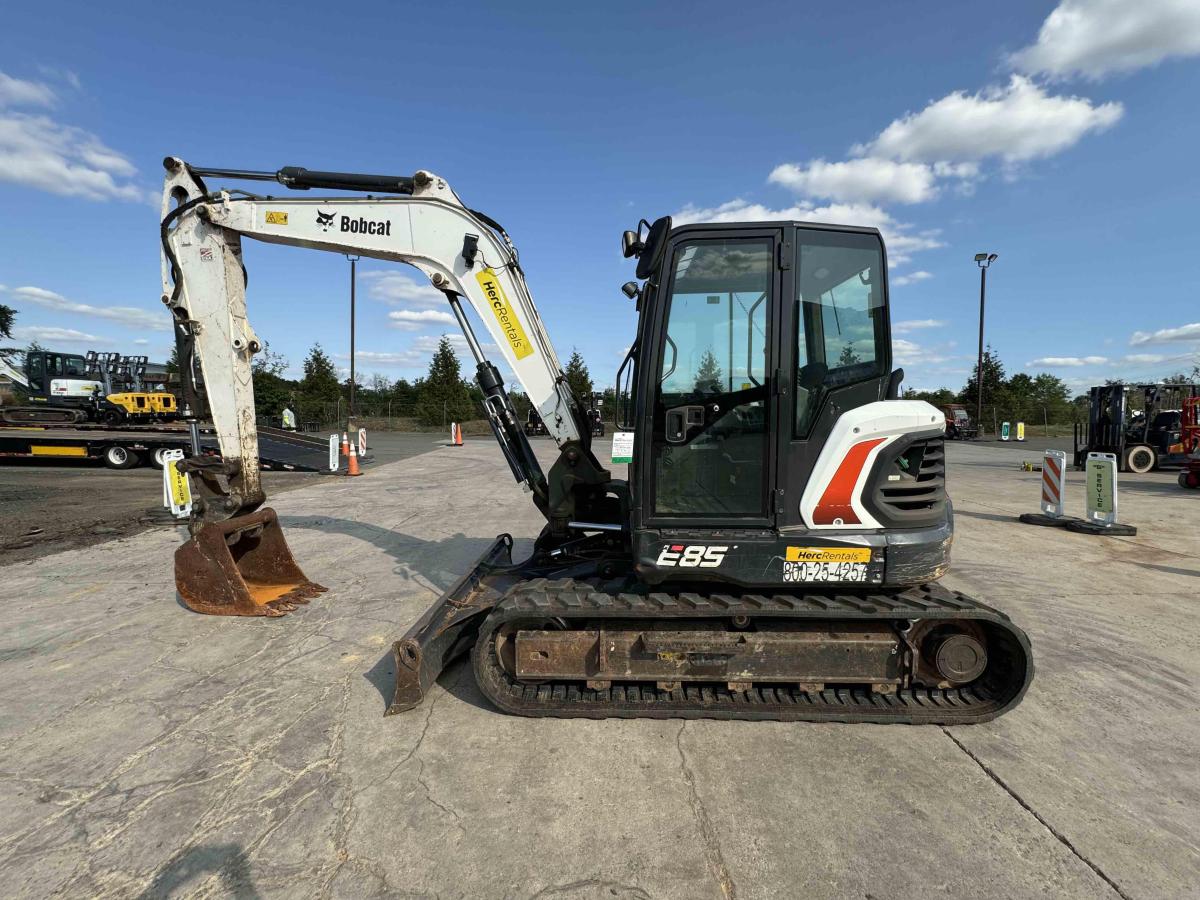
x=615, y=889
x=1058, y=835
x=712, y=846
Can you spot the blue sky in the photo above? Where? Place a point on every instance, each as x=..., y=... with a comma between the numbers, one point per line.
x=1061, y=136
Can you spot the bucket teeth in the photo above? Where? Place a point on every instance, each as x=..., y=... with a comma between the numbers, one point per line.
x=241, y=567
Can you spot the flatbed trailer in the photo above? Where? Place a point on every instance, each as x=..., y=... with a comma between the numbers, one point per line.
x=129, y=446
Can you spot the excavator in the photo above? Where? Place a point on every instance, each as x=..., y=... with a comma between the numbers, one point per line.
x=775, y=548
x=68, y=388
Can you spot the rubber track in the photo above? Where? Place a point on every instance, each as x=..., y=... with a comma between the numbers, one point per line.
x=999, y=689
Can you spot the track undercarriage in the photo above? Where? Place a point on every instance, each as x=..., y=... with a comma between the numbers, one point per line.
x=571, y=640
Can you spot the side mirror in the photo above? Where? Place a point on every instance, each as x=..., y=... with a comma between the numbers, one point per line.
x=630, y=245
x=630, y=288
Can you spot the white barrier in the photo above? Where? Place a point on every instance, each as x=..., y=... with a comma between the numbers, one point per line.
x=362, y=442
x=1101, y=482
x=335, y=452
x=177, y=488
x=1053, y=465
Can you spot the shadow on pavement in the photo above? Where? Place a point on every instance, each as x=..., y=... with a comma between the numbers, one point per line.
x=227, y=860
x=440, y=563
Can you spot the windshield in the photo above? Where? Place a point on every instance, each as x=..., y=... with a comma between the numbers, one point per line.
x=841, y=325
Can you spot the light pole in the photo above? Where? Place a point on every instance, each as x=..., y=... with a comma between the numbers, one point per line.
x=983, y=260
x=350, y=417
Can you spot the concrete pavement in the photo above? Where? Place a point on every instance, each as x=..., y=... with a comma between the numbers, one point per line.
x=147, y=751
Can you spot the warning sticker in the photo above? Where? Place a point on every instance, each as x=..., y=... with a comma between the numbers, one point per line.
x=829, y=554
x=277, y=218
x=504, y=314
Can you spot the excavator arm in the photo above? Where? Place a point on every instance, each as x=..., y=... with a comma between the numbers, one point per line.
x=419, y=221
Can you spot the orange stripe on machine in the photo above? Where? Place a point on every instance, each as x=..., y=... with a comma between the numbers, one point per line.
x=837, y=502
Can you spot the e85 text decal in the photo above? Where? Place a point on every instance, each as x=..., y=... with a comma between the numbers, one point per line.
x=692, y=556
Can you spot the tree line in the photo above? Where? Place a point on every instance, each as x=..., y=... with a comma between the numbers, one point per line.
x=1035, y=399
x=441, y=396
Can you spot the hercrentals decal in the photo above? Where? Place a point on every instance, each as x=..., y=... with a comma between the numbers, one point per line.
x=504, y=314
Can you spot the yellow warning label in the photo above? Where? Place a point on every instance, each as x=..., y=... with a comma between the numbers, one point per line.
x=829, y=554
x=181, y=488
x=504, y=314
x=277, y=218
x=53, y=450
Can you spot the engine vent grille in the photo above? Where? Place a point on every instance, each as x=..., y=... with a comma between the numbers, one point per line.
x=911, y=488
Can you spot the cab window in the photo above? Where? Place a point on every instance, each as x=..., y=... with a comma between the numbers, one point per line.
x=841, y=327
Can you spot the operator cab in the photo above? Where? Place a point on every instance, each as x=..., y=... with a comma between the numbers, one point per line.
x=753, y=339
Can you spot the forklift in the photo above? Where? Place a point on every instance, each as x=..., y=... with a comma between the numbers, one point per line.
x=1142, y=425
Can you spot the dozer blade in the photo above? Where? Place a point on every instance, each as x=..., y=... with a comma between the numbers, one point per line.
x=241, y=567
x=447, y=629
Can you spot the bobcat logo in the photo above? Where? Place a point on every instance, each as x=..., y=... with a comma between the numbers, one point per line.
x=325, y=220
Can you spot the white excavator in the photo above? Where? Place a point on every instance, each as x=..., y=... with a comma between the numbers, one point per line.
x=774, y=550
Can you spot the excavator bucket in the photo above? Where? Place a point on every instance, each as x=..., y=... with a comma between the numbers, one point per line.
x=241, y=567
x=447, y=629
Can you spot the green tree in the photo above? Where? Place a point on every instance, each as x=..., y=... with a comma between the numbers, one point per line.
x=578, y=377
x=272, y=392
x=443, y=396
x=320, y=381
x=319, y=387
x=940, y=397
x=7, y=315
x=995, y=387
x=709, y=378
x=404, y=397
x=848, y=357
x=1050, y=393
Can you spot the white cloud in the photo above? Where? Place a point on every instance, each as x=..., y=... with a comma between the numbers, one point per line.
x=1144, y=358
x=863, y=180
x=1015, y=123
x=1056, y=362
x=415, y=357
x=40, y=152
x=908, y=326
x=1167, y=335
x=49, y=336
x=913, y=278
x=141, y=342
x=909, y=353
x=900, y=238
x=1097, y=37
x=399, y=289
x=416, y=319
x=16, y=92
x=126, y=315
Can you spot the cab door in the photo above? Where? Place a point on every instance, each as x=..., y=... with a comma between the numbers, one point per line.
x=835, y=352
x=708, y=458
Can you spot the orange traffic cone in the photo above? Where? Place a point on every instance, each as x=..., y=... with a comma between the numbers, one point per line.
x=345, y=444
x=353, y=469
x=458, y=435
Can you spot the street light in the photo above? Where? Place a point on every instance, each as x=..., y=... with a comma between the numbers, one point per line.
x=350, y=417
x=983, y=260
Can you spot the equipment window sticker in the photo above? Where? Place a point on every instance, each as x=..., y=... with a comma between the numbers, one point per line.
x=277, y=218
x=504, y=314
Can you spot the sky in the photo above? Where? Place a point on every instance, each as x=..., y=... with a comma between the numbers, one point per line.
x=1062, y=137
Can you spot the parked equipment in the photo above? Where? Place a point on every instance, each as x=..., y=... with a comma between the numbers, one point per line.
x=534, y=424
x=1190, y=423
x=67, y=388
x=959, y=426
x=1143, y=425
x=774, y=551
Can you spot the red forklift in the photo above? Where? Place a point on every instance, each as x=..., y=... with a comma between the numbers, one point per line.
x=1190, y=423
